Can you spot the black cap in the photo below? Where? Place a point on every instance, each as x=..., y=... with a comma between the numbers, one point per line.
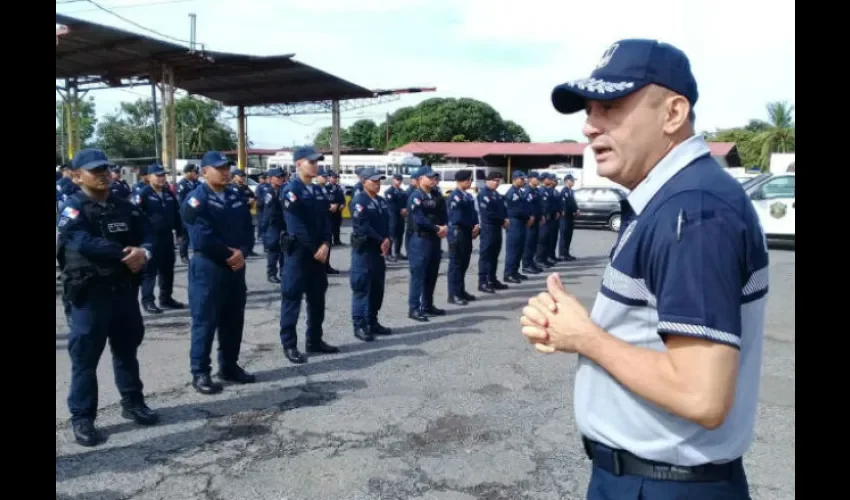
x=494, y=175
x=463, y=175
x=398, y=177
x=190, y=167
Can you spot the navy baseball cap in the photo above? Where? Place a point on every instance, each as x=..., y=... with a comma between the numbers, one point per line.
x=398, y=177
x=238, y=172
x=90, y=159
x=517, y=174
x=323, y=173
x=307, y=153
x=215, y=159
x=333, y=174
x=628, y=66
x=275, y=172
x=569, y=177
x=427, y=172
x=371, y=174
x=533, y=175
x=155, y=169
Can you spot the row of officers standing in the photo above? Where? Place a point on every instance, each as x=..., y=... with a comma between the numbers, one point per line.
x=107, y=246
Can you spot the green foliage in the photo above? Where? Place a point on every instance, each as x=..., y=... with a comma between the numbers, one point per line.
x=759, y=139
x=432, y=120
x=85, y=125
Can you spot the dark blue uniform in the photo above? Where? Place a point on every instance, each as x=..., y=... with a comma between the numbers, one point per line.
x=163, y=212
x=462, y=219
x=102, y=293
x=424, y=250
x=370, y=228
x=549, y=229
x=532, y=197
x=492, y=212
x=336, y=196
x=518, y=211
x=260, y=205
x=120, y=189
x=138, y=186
x=408, y=227
x=308, y=227
x=273, y=226
x=567, y=222
x=184, y=187
x=217, y=294
x=396, y=202
x=65, y=187
x=557, y=209
x=248, y=197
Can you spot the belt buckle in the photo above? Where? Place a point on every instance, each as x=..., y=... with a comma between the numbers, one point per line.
x=617, y=462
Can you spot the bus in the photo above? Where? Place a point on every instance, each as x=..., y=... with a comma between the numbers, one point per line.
x=350, y=165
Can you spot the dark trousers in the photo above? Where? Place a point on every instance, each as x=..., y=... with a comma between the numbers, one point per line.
x=368, y=279
x=567, y=228
x=336, y=226
x=488, y=253
x=424, y=263
x=184, y=244
x=530, y=248
x=217, y=298
x=606, y=486
x=271, y=242
x=396, y=233
x=515, y=246
x=460, y=255
x=99, y=316
x=161, y=265
x=304, y=277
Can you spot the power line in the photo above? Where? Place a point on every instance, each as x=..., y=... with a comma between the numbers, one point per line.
x=129, y=6
x=137, y=25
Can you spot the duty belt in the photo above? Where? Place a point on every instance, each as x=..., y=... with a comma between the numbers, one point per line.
x=623, y=463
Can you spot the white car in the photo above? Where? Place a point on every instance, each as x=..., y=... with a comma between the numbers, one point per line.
x=774, y=197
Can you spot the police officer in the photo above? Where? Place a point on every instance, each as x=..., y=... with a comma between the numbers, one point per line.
x=119, y=187
x=324, y=195
x=104, y=243
x=424, y=250
x=306, y=246
x=519, y=215
x=370, y=244
x=215, y=215
x=463, y=228
x=186, y=185
x=260, y=202
x=66, y=186
x=408, y=224
x=549, y=228
x=142, y=180
x=493, y=217
x=554, y=228
x=532, y=196
x=337, y=198
x=248, y=196
x=272, y=223
x=568, y=218
x=160, y=206
x=397, y=205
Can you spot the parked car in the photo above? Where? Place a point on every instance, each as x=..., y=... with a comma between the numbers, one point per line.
x=599, y=206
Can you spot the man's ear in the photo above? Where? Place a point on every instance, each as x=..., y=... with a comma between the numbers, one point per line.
x=677, y=113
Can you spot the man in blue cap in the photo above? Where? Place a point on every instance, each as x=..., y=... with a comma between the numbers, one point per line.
x=322, y=182
x=118, y=187
x=370, y=245
x=424, y=251
x=215, y=216
x=272, y=223
x=548, y=234
x=337, y=198
x=493, y=217
x=568, y=219
x=186, y=185
x=104, y=243
x=141, y=179
x=397, y=205
x=669, y=365
x=519, y=214
x=240, y=181
x=531, y=191
x=306, y=246
x=160, y=206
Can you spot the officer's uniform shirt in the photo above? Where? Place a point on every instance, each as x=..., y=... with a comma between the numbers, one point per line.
x=138, y=186
x=424, y=213
x=396, y=200
x=260, y=196
x=245, y=192
x=516, y=205
x=65, y=187
x=691, y=260
x=162, y=209
x=442, y=206
x=305, y=213
x=570, y=206
x=370, y=218
x=491, y=207
x=532, y=197
x=272, y=216
x=215, y=221
x=462, y=212
x=120, y=189
x=408, y=193
x=358, y=188
x=335, y=194
x=184, y=187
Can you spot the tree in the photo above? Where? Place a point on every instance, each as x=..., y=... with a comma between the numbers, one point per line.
x=84, y=125
x=129, y=132
x=324, y=139
x=759, y=139
x=362, y=134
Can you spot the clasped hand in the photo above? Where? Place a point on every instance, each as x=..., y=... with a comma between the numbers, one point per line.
x=555, y=320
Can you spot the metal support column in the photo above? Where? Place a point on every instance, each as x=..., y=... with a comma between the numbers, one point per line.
x=71, y=117
x=155, y=121
x=168, y=118
x=335, y=126
x=242, y=139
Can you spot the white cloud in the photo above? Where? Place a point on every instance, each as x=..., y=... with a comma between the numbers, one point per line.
x=507, y=53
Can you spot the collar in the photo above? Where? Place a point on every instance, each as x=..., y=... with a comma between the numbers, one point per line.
x=678, y=158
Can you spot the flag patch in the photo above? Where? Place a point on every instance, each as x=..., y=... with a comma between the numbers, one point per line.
x=291, y=196
x=70, y=212
x=193, y=202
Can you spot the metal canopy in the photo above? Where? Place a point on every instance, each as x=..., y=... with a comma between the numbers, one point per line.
x=92, y=52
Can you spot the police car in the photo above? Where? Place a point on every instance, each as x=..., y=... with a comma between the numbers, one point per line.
x=774, y=198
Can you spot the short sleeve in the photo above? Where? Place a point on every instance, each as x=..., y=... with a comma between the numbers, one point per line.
x=696, y=269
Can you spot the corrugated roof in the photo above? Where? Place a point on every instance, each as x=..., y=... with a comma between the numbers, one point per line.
x=102, y=53
x=482, y=149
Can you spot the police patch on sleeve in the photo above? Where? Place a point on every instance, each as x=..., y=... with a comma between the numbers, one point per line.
x=70, y=213
x=291, y=196
x=194, y=203
x=268, y=197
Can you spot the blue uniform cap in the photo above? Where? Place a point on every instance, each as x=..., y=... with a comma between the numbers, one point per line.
x=323, y=173
x=275, y=172
x=545, y=175
x=569, y=177
x=238, y=172
x=628, y=66
x=155, y=169
x=533, y=175
x=398, y=177
x=425, y=171
x=517, y=174
x=307, y=153
x=371, y=174
x=90, y=159
x=333, y=174
x=215, y=159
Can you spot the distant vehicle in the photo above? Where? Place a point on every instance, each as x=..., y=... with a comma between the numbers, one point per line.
x=447, y=173
x=388, y=164
x=599, y=206
x=774, y=197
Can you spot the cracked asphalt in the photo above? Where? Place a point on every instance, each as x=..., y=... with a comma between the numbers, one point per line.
x=458, y=409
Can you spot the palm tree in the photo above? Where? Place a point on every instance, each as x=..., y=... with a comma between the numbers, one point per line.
x=779, y=134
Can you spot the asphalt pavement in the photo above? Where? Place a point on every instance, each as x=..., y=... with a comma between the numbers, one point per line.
x=461, y=408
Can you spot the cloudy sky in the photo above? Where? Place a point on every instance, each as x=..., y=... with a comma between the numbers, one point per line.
x=506, y=53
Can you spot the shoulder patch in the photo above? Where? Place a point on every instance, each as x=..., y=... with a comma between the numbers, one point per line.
x=193, y=202
x=70, y=212
x=291, y=196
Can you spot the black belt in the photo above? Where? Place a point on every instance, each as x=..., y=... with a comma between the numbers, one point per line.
x=623, y=463
x=426, y=234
